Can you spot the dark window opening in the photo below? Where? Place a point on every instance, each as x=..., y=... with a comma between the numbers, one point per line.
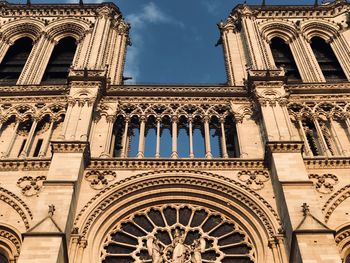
x=312, y=137
x=37, y=148
x=283, y=57
x=22, y=147
x=3, y=259
x=347, y=260
x=118, y=132
x=327, y=60
x=231, y=138
x=14, y=61
x=60, y=61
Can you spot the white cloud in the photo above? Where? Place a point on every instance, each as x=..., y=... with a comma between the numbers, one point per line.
x=211, y=6
x=149, y=14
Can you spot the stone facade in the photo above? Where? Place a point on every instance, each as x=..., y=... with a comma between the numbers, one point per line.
x=93, y=170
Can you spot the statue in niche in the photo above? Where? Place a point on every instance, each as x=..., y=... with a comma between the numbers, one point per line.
x=197, y=248
x=154, y=249
x=177, y=251
x=180, y=249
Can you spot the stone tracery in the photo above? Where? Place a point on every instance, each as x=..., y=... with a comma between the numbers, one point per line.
x=179, y=234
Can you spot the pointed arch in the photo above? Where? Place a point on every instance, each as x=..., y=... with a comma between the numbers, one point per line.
x=147, y=189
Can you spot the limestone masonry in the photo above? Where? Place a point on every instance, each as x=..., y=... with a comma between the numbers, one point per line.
x=93, y=170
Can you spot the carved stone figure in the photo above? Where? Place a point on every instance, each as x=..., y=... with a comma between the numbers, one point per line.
x=198, y=247
x=179, y=248
x=154, y=250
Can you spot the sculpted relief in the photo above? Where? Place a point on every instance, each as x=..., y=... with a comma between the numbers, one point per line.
x=177, y=251
x=177, y=233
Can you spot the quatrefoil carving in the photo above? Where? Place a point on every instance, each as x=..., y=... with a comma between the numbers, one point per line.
x=254, y=179
x=99, y=179
x=31, y=185
x=324, y=183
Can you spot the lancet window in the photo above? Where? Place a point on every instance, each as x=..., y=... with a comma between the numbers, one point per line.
x=283, y=57
x=60, y=61
x=163, y=133
x=23, y=134
x=14, y=60
x=324, y=129
x=328, y=62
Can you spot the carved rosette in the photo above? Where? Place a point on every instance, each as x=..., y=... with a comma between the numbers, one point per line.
x=177, y=233
x=100, y=179
x=254, y=179
x=31, y=185
x=324, y=183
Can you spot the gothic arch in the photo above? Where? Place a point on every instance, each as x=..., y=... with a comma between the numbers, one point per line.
x=72, y=27
x=342, y=239
x=26, y=27
x=335, y=200
x=17, y=204
x=281, y=29
x=10, y=242
x=256, y=215
x=323, y=29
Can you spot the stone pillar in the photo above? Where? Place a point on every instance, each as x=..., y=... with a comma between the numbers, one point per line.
x=158, y=138
x=290, y=182
x=174, y=153
x=208, y=153
x=46, y=241
x=141, y=149
x=256, y=45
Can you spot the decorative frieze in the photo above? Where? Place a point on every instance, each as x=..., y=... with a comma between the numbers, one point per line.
x=324, y=183
x=254, y=179
x=146, y=164
x=31, y=185
x=100, y=179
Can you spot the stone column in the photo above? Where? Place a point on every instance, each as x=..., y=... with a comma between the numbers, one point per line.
x=47, y=139
x=303, y=135
x=223, y=139
x=108, y=140
x=290, y=181
x=26, y=148
x=125, y=139
x=208, y=154
x=158, y=138
x=12, y=140
x=141, y=150
x=323, y=143
x=190, y=135
x=174, y=153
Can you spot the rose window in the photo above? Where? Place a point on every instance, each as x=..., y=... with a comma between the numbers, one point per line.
x=177, y=234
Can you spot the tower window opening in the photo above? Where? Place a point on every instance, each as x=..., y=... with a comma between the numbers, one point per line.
x=283, y=57
x=14, y=60
x=60, y=61
x=328, y=62
x=118, y=133
x=37, y=148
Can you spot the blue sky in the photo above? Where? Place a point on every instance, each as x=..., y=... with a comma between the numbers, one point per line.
x=173, y=41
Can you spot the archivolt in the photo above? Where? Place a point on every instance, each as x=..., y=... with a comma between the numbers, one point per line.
x=192, y=187
x=67, y=27
x=335, y=200
x=26, y=27
x=282, y=29
x=17, y=204
x=324, y=29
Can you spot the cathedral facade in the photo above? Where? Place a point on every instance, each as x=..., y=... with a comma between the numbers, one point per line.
x=94, y=170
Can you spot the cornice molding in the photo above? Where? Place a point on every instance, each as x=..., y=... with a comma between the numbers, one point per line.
x=25, y=165
x=327, y=162
x=25, y=90
x=175, y=90
x=70, y=147
x=146, y=164
x=318, y=88
x=284, y=146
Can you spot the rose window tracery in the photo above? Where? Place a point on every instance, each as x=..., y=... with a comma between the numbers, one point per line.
x=178, y=234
